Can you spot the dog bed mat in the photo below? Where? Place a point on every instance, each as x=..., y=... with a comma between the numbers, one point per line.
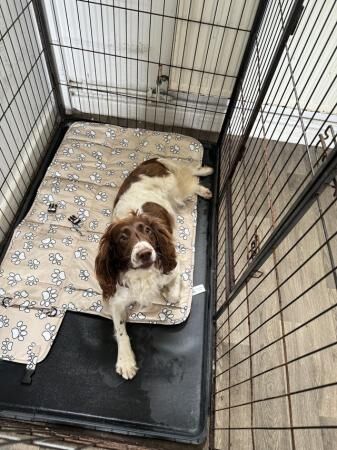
x=49, y=266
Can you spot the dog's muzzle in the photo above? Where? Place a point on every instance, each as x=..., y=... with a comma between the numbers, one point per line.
x=143, y=255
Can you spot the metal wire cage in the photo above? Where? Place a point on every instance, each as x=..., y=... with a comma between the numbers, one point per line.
x=257, y=80
x=276, y=267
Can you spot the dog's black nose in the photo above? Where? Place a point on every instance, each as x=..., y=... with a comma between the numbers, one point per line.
x=144, y=255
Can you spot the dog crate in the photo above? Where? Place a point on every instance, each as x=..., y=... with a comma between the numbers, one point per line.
x=255, y=82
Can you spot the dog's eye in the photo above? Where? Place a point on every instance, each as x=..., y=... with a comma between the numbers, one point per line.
x=123, y=238
x=148, y=230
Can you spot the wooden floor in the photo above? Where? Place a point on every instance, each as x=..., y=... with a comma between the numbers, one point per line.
x=276, y=369
x=15, y=435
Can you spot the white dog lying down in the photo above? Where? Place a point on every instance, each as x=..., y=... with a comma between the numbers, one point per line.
x=137, y=261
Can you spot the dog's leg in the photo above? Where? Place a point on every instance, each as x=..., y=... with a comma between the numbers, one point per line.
x=171, y=284
x=203, y=192
x=176, y=168
x=126, y=362
x=175, y=285
x=174, y=290
x=187, y=182
x=203, y=171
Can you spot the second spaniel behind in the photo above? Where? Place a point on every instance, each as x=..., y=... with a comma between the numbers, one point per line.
x=137, y=261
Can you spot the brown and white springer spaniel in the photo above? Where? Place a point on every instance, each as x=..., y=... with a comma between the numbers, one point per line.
x=137, y=261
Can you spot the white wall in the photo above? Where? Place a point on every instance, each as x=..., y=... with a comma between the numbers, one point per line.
x=128, y=36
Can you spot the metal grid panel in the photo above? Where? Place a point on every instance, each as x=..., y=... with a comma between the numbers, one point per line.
x=276, y=172
x=28, y=111
x=275, y=377
x=164, y=65
x=276, y=343
x=242, y=110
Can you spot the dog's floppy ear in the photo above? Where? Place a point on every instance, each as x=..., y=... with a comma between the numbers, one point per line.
x=106, y=265
x=165, y=246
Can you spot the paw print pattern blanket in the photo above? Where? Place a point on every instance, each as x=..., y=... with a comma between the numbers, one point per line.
x=49, y=266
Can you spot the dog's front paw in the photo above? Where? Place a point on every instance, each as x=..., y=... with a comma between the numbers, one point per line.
x=126, y=367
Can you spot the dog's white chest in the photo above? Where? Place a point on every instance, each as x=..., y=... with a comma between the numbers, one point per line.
x=143, y=285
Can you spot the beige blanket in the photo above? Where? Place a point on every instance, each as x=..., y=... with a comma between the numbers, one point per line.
x=49, y=266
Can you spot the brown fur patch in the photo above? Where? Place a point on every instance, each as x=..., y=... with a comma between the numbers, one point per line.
x=150, y=168
x=155, y=210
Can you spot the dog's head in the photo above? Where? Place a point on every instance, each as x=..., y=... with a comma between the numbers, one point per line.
x=138, y=241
